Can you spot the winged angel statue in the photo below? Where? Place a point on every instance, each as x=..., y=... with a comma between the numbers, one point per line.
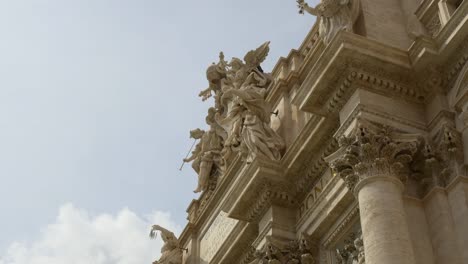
x=171, y=253
x=239, y=121
x=335, y=15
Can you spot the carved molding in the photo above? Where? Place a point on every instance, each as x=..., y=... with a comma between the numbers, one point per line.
x=345, y=224
x=270, y=193
x=363, y=109
x=317, y=167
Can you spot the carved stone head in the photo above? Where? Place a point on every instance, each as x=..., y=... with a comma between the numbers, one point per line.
x=196, y=133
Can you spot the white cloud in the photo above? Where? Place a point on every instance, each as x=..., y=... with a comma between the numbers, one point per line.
x=78, y=238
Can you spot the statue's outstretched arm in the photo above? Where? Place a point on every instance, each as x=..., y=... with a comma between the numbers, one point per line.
x=194, y=155
x=311, y=10
x=164, y=232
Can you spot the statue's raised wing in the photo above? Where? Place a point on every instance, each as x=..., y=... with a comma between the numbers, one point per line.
x=254, y=58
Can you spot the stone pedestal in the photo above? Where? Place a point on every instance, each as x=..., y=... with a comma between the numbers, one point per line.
x=384, y=227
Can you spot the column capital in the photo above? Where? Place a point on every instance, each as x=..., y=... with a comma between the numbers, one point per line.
x=372, y=150
x=443, y=154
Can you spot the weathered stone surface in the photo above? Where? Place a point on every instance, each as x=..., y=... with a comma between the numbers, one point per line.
x=352, y=150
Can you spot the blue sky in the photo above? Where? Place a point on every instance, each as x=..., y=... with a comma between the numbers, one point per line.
x=97, y=98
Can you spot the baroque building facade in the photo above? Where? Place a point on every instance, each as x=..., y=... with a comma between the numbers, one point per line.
x=352, y=150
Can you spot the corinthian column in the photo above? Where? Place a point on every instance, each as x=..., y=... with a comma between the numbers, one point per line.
x=372, y=161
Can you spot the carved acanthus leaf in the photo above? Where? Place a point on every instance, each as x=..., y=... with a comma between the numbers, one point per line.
x=278, y=251
x=443, y=157
x=372, y=150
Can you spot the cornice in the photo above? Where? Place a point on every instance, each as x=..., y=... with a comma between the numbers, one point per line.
x=260, y=184
x=332, y=75
x=237, y=244
x=360, y=109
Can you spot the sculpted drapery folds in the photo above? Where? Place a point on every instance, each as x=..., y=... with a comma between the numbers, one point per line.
x=207, y=155
x=171, y=253
x=242, y=110
x=334, y=15
x=373, y=151
x=239, y=121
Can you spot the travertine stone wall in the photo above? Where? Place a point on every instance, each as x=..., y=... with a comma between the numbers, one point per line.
x=385, y=21
x=390, y=108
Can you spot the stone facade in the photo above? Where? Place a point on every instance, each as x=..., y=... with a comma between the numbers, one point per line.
x=352, y=150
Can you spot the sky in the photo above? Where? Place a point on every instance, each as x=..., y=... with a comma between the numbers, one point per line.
x=97, y=98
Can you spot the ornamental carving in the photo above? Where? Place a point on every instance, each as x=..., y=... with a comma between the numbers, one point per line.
x=371, y=151
x=240, y=119
x=353, y=250
x=277, y=251
x=443, y=157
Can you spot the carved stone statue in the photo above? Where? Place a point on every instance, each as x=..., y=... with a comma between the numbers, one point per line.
x=334, y=15
x=206, y=157
x=239, y=121
x=243, y=111
x=171, y=253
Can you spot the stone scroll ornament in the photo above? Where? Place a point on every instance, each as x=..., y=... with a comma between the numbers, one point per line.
x=239, y=121
x=171, y=252
x=334, y=15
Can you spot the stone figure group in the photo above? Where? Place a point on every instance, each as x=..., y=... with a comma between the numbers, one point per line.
x=334, y=15
x=238, y=124
x=239, y=121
